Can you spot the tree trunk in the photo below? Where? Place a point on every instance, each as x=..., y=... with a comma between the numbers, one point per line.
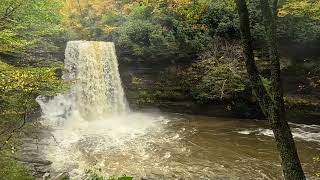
x=272, y=105
x=290, y=161
x=258, y=88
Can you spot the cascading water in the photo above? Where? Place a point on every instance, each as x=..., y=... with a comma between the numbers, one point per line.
x=90, y=127
x=97, y=92
x=93, y=117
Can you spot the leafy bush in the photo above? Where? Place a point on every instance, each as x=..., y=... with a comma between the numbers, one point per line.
x=25, y=23
x=165, y=29
x=317, y=161
x=143, y=38
x=295, y=16
x=20, y=86
x=219, y=74
x=12, y=169
x=222, y=19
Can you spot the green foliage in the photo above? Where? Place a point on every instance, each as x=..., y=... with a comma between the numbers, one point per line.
x=295, y=16
x=25, y=23
x=121, y=178
x=13, y=170
x=266, y=83
x=317, y=161
x=219, y=74
x=152, y=29
x=20, y=86
x=29, y=80
x=10, y=169
x=144, y=38
x=146, y=29
x=18, y=89
x=165, y=29
x=222, y=20
x=301, y=103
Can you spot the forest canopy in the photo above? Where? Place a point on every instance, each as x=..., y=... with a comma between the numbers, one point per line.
x=146, y=28
x=197, y=40
x=161, y=28
x=26, y=23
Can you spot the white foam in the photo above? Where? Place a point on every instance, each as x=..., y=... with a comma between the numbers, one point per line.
x=299, y=131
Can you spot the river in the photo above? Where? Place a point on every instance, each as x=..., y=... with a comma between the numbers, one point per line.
x=176, y=146
x=92, y=127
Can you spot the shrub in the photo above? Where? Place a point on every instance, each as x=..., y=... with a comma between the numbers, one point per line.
x=219, y=74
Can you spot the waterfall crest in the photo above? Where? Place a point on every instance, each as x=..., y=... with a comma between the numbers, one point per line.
x=97, y=90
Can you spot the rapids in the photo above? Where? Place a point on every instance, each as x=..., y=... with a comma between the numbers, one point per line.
x=92, y=127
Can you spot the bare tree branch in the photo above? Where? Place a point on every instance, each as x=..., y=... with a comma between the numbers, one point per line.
x=10, y=10
x=222, y=89
x=14, y=130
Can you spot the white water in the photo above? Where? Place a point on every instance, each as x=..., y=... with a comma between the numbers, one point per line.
x=91, y=127
x=97, y=92
x=299, y=132
x=93, y=117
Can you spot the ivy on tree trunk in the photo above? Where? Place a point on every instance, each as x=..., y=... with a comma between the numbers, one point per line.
x=272, y=104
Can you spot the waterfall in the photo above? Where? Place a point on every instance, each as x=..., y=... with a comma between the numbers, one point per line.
x=97, y=90
x=92, y=122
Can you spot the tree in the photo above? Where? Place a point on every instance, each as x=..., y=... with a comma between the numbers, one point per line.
x=294, y=16
x=271, y=102
x=20, y=86
x=26, y=23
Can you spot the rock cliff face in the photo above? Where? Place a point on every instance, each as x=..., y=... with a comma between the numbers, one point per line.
x=150, y=84
x=145, y=87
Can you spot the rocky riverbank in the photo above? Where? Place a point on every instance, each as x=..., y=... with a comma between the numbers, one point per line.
x=159, y=85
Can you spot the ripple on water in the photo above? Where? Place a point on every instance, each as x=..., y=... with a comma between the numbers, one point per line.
x=299, y=131
x=162, y=147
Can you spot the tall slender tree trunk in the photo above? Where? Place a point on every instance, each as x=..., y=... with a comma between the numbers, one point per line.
x=273, y=104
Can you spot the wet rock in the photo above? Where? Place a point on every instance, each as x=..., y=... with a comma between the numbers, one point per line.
x=42, y=169
x=30, y=146
x=34, y=161
x=37, y=174
x=46, y=176
x=29, y=155
x=28, y=140
x=62, y=176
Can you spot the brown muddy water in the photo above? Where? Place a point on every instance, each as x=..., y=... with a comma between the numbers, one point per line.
x=92, y=127
x=175, y=146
